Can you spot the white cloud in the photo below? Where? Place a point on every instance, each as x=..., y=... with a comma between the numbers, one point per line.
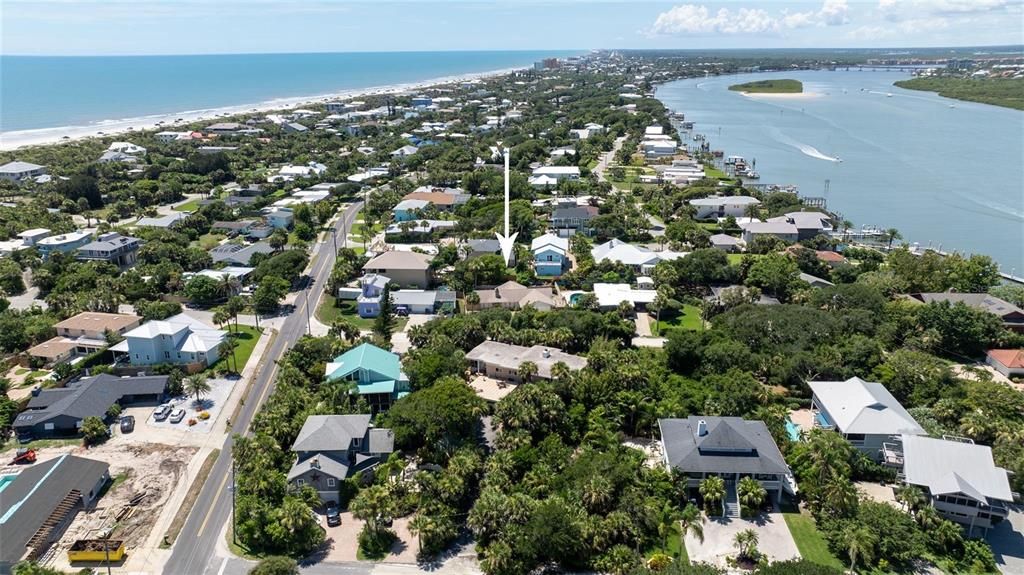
x=897, y=10
x=698, y=19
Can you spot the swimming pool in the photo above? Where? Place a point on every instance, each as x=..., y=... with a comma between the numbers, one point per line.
x=793, y=430
x=5, y=480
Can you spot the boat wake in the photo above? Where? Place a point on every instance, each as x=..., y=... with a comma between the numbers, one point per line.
x=807, y=149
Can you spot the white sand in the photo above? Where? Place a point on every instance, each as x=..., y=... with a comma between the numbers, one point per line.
x=782, y=96
x=20, y=138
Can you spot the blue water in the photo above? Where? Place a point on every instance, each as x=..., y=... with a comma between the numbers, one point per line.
x=943, y=176
x=46, y=92
x=793, y=430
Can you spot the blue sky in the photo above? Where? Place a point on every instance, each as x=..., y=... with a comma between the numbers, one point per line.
x=235, y=26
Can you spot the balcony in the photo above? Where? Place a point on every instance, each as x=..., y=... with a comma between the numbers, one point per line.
x=892, y=454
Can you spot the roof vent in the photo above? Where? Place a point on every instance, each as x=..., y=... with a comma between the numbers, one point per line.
x=547, y=353
x=702, y=428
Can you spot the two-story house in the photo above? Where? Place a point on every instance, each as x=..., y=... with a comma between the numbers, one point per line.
x=376, y=373
x=82, y=334
x=18, y=171
x=574, y=219
x=113, y=248
x=331, y=448
x=179, y=339
x=723, y=206
x=960, y=478
x=865, y=413
x=550, y=255
x=727, y=447
x=404, y=268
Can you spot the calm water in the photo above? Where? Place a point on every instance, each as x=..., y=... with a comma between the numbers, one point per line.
x=941, y=175
x=46, y=92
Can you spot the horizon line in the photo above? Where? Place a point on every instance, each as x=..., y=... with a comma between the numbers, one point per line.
x=513, y=50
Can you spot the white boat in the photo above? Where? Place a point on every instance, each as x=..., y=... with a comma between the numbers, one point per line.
x=888, y=95
x=952, y=105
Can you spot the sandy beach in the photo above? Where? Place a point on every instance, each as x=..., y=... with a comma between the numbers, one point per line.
x=781, y=96
x=15, y=139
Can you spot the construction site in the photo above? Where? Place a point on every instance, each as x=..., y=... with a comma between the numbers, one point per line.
x=143, y=478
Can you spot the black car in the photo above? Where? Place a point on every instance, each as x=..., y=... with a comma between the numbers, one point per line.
x=333, y=515
x=128, y=424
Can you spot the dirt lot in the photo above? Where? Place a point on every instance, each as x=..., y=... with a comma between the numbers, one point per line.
x=151, y=471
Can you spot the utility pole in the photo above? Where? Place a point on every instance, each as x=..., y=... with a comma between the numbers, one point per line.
x=309, y=329
x=234, y=517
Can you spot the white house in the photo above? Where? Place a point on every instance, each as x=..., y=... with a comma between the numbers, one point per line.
x=178, y=339
x=545, y=175
x=169, y=136
x=127, y=148
x=17, y=171
x=289, y=172
x=723, y=206
x=785, y=231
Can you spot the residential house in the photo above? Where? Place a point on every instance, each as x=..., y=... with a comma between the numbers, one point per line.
x=167, y=136
x=289, y=172
x=550, y=255
x=502, y=360
x=807, y=224
x=179, y=339
x=728, y=447
x=376, y=373
x=641, y=259
x=279, y=218
x=41, y=500
x=717, y=292
x=1012, y=316
x=659, y=148
x=232, y=229
x=443, y=199
x=60, y=411
x=610, y=296
x=864, y=412
x=475, y=248
x=82, y=334
x=552, y=175
x=238, y=254
x=111, y=156
x=723, y=206
x=726, y=243
x=63, y=243
x=293, y=128
x=418, y=227
x=407, y=210
x=18, y=172
x=225, y=128
x=783, y=230
x=331, y=448
x=1009, y=362
x=567, y=221
x=513, y=295
x=815, y=281
x=404, y=151
x=238, y=275
x=410, y=301
x=165, y=222
x=959, y=478
x=32, y=237
x=111, y=247
x=404, y=268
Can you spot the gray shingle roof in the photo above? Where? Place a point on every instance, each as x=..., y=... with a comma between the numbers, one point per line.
x=731, y=445
x=87, y=397
x=322, y=463
x=331, y=432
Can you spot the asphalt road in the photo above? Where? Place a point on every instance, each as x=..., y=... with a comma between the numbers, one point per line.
x=195, y=550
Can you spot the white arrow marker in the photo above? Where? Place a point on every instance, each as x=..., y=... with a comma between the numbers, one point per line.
x=506, y=241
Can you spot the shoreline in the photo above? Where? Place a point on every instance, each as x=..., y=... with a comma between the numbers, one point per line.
x=17, y=139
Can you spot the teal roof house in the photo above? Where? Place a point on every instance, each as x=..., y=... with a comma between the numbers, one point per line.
x=377, y=374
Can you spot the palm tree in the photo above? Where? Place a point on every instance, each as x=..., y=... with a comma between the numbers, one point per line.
x=691, y=521
x=712, y=490
x=228, y=286
x=893, y=234
x=527, y=370
x=345, y=329
x=928, y=518
x=751, y=493
x=746, y=543
x=597, y=493
x=839, y=496
x=418, y=526
x=228, y=347
x=221, y=316
x=197, y=385
x=910, y=497
x=859, y=542
x=472, y=298
x=949, y=535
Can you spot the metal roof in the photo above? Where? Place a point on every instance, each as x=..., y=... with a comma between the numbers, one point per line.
x=947, y=467
x=858, y=406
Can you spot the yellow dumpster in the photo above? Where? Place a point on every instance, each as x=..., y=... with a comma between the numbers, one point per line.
x=96, y=551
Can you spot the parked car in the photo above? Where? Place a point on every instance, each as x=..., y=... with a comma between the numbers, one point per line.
x=333, y=515
x=128, y=424
x=162, y=412
x=177, y=415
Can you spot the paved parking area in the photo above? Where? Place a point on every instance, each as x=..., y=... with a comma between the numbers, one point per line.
x=774, y=538
x=491, y=389
x=212, y=403
x=1007, y=540
x=343, y=541
x=400, y=339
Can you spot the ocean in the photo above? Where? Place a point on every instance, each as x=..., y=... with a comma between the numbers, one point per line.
x=945, y=173
x=42, y=92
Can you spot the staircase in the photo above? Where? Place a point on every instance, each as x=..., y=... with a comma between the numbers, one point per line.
x=41, y=539
x=732, y=500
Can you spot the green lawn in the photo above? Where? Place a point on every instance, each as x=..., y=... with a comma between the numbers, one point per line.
x=688, y=320
x=809, y=541
x=210, y=241
x=246, y=339
x=737, y=258
x=672, y=546
x=714, y=173
x=331, y=309
x=189, y=206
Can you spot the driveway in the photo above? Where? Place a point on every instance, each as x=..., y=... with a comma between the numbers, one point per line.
x=343, y=541
x=400, y=339
x=1007, y=541
x=774, y=538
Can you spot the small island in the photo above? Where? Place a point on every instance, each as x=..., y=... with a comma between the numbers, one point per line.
x=770, y=87
x=1005, y=92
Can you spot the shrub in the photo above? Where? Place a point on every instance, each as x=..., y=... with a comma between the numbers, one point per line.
x=94, y=431
x=374, y=545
